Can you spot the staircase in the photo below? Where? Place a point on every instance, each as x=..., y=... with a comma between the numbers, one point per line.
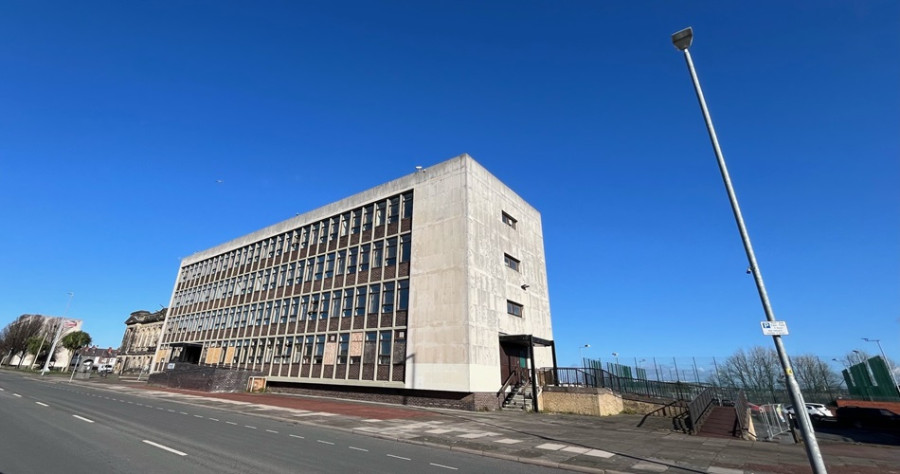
x=720, y=424
x=519, y=398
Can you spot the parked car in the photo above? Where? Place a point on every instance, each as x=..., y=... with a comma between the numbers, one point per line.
x=816, y=411
x=105, y=369
x=866, y=417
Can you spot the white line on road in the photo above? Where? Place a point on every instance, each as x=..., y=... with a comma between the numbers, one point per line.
x=251, y=427
x=214, y=419
x=17, y=395
x=42, y=404
x=443, y=466
x=359, y=449
x=166, y=448
x=272, y=431
x=296, y=436
x=196, y=416
x=231, y=422
x=324, y=442
x=83, y=418
x=399, y=457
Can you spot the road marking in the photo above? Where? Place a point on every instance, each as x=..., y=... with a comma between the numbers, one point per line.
x=231, y=422
x=42, y=404
x=297, y=436
x=166, y=448
x=83, y=418
x=17, y=395
x=272, y=431
x=251, y=427
x=214, y=419
x=399, y=457
x=196, y=416
x=359, y=449
x=170, y=410
x=325, y=442
x=443, y=466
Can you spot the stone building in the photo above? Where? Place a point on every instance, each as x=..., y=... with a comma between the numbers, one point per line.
x=430, y=289
x=142, y=330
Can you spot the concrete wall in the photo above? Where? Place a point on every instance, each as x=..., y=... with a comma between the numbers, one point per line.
x=580, y=401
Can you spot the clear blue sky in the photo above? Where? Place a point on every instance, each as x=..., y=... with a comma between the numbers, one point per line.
x=118, y=118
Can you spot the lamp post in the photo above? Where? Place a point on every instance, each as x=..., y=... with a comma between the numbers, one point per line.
x=887, y=362
x=581, y=354
x=682, y=41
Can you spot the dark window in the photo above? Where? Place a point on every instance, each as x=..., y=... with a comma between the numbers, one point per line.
x=403, y=295
x=514, y=308
x=508, y=220
x=511, y=262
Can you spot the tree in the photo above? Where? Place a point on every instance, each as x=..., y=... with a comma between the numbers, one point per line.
x=16, y=334
x=757, y=370
x=75, y=341
x=815, y=375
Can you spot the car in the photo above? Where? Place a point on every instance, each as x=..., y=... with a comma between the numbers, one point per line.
x=816, y=411
x=104, y=369
x=868, y=417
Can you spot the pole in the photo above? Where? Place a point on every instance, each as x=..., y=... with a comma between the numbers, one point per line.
x=812, y=445
x=62, y=323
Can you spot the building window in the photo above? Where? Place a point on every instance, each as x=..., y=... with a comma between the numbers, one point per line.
x=390, y=258
x=387, y=300
x=514, y=308
x=402, y=295
x=511, y=262
x=405, y=247
x=508, y=220
x=343, y=348
x=384, y=348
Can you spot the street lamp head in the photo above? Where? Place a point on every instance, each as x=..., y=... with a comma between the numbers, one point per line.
x=682, y=39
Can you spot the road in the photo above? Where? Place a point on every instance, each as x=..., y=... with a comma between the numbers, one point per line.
x=49, y=425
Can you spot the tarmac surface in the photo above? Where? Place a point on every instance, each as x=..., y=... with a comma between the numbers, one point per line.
x=612, y=444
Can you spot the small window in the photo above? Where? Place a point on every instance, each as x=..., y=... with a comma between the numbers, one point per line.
x=511, y=262
x=509, y=220
x=514, y=308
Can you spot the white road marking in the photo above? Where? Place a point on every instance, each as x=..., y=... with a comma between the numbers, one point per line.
x=214, y=419
x=324, y=442
x=398, y=457
x=359, y=449
x=166, y=448
x=83, y=418
x=17, y=395
x=170, y=411
x=272, y=431
x=551, y=446
x=599, y=453
x=231, y=422
x=443, y=466
x=42, y=404
x=196, y=416
x=251, y=427
x=297, y=436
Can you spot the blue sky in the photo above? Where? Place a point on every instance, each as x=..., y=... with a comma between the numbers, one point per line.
x=118, y=118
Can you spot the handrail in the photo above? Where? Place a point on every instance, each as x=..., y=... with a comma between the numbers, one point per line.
x=699, y=408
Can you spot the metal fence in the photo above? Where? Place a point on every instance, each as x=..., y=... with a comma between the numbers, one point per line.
x=770, y=421
x=595, y=377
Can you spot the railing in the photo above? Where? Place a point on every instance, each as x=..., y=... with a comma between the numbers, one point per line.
x=518, y=376
x=700, y=407
x=592, y=377
x=742, y=409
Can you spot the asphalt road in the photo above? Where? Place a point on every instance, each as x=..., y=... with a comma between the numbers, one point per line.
x=49, y=425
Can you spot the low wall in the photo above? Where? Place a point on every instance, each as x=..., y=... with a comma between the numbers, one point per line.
x=580, y=401
x=420, y=398
x=206, y=379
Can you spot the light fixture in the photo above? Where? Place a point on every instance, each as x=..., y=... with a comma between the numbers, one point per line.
x=682, y=39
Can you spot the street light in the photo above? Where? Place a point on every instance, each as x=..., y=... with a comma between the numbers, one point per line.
x=887, y=362
x=581, y=353
x=682, y=41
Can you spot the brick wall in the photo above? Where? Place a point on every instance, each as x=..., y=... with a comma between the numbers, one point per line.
x=419, y=398
x=205, y=379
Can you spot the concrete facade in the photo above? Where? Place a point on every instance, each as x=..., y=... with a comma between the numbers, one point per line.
x=469, y=250
x=142, y=331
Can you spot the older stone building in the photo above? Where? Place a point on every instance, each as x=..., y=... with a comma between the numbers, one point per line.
x=430, y=289
x=142, y=330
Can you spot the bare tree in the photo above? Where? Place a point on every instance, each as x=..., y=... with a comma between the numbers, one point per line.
x=16, y=334
x=815, y=375
x=757, y=369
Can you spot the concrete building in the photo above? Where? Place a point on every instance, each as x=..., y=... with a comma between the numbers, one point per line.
x=431, y=288
x=142, y=331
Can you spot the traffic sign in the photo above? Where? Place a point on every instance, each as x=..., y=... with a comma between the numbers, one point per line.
x=774, y=328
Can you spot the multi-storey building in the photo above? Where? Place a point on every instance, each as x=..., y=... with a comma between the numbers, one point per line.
x=142, y=330
x=432, y=285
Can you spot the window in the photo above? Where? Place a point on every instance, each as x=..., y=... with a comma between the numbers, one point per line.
x=320, y=349
x=508, y=220
x=360, y=301
x=402, y=295
x=348, y=303
x=295, y=303
x=351, y=262
x=304, y=308
x=329, y=265
x=511, y=262
x=343, y=348
x=355, y=222
x=393, y=210
x=407, y=205
x=379, y=213
x=314, y=306
x=387, y=299
x=336, y=304
x=374, y=295
x=341, y=262
x=405, y=243
x=368, y=212
x=364, y=258
x=514, y=308
x=390, y=258
x=377, y=253
x=384, y=348
x=320, y=265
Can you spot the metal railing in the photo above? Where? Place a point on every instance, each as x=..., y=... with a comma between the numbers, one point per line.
x=598, y=378
x=700, y=408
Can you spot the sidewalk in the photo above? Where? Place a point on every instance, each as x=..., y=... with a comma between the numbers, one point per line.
x=582, y=443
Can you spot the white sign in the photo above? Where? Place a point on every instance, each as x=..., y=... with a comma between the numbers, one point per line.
x=774, y=328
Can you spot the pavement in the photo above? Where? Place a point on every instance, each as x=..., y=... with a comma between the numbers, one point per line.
x=611, y=444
